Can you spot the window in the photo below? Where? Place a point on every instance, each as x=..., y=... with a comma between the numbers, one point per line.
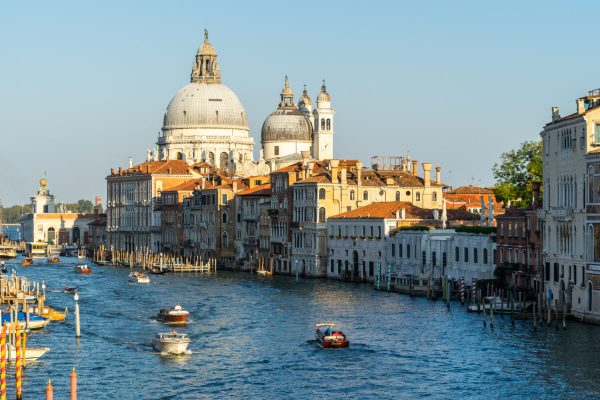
x=400, y=250
x=408, y=251
x=475, y=256
x=224, y=199
x=352, y=195
x=365, y=195
x=555, y=272
x=393, y=250
x=597, y=135
x=456, y=254
x=466, y=254
x=322, y=193
x=225, y=242
x=322, y=124
x=433, y=258
x=397, y=196
x=224, y=218
x=332, y=264
x=575, y=274
x=418, y=196
x=328, y=124
x=485, y=256
x=322, y=214
x=276, y=150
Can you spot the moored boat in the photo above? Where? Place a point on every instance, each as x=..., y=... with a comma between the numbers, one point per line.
x=138, y=277
x=8, y=252
x=157, y=271
x=70, y=290
x=35, y=321
x=27, y=261
x=171, y=342
x=82, y=269
x=49, y=313
x=328, y=338
x=173, y=315
x=53, y=260
x=31, y=353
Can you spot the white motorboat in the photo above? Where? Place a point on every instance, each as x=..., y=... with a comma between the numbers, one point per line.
x=138, y=277
x=31, y=353
x=171, y=342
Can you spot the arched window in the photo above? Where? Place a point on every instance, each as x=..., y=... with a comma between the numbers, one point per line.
x=456, y=254
x=365, y=195
x=485, y=256
x=51, y=235
x=322, y=193
x=418, y=196
x=352, y=195
x=398, y=196
x=408, y=251
x=224, y=160
x=475, y=256
x=225, y=241
x=322, y=214
x=466, y=254
x=328, y=124
x=322, y=124
x=224, y=218
x=179, y=155
x=211, y=158
x=434, y=196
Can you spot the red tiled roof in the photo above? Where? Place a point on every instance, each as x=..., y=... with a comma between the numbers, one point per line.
x=386, y=210
x=470, y=189
x=259, y=190
x=172, y=167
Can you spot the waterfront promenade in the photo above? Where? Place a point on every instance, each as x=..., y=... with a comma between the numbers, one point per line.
x=252, y=337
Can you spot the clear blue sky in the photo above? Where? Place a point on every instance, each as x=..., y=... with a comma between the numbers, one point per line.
x=84, y=86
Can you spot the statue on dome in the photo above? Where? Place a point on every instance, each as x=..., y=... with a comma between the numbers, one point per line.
x=205, y=35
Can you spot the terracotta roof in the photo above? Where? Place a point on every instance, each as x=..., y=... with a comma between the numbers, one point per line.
x=387, y=210
x=296, y=167
x=470, y=189
x=565, y=118
x=172, y=167
x=259, y=190
x=187, y=186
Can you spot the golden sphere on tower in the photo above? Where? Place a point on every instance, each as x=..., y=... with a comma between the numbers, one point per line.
x=43, y=182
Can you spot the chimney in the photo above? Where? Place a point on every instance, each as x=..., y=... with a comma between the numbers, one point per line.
x=169, y=170
x=305, y=159
x=120, y=171
x=397, y=214
x=414, y=167
x=311, y=168
x=555, y=114
x=130, y=162
x=112, y=171
x=234, y=185
x=98, y=200
x=359, y=166
x=334, y=170
x=203, y=183
x=403, y=213
x=581, y=106
x=535, y=188
x=438, y=174
x=427, y=173
x=344, y=176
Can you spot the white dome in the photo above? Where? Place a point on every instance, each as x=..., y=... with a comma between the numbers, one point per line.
x=202, y=105
x=284, y=125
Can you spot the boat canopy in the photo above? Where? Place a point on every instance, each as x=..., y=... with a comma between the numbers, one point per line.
x=323, y=325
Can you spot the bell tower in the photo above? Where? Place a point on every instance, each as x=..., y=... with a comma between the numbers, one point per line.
x=323, y=126
x=205, y=68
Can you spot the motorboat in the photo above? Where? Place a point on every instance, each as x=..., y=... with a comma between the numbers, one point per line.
x=264, y=272
x=70, y=290
x=82, y=269
x=8, y=252
x=327, y=337
x=173, y=315
x=27, y=261
x=49, y=313
x=35, y=321
x=31, y=353
x=138, y=277
x=157, y=271
x=171, y=342
x=53, y=260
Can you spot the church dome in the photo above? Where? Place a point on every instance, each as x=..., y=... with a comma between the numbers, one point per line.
x=323, y=95
x=286, y=125
x=205, y=105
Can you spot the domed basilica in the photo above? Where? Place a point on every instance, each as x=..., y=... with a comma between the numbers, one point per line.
x=206, y=122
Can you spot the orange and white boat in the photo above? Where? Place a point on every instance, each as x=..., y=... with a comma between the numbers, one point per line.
x=173, y=315
x=82, y=269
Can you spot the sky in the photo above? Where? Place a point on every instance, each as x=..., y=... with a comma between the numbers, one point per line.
x=84, y=85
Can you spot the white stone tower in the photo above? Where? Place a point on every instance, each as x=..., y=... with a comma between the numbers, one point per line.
x=323, y=126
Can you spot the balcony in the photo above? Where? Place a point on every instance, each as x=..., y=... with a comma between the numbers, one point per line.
x=561, y=214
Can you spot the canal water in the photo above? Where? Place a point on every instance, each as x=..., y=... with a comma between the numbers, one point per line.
x=252, y=337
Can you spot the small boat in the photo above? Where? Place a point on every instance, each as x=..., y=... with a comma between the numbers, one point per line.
x=171, y=342
x=157, y=271
x=138, y=277
x=173, y=315
x=8, y=252
x=31, y=353
x=53, y=260
x=35, y=321
x=264, y=272
x=49, y=313
x=82, y=269
x=328, y=338
x=70, y=290
x=27, y=261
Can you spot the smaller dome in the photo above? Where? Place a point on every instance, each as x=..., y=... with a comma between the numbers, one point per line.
x=304, y=100
x=286, y=125
x=207, y=49
x=287, y=90
x=324, y=96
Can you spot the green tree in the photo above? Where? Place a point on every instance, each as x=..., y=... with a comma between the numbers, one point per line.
x=13, y=214
x=84, y=206
x=515, y=172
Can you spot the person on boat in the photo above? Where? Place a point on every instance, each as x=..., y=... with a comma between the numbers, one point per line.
x=328, y=331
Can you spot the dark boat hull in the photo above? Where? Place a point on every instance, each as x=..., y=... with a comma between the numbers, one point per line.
x=172, y=319
x=331, y=344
